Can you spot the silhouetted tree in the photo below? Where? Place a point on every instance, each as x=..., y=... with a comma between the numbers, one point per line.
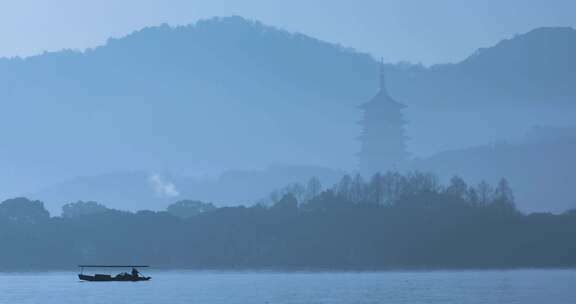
x=503, y=197
x=189, y=208
x=457, y=188
x=313, y=188
x=344, y=187
x=485, y=193
x=23, y=210
x=298, y=190
x=82, y=208
x=418, y=182
x=357, y=189
x=376, y=189
x=472, y=197
x=287, y=205
x=393, y=187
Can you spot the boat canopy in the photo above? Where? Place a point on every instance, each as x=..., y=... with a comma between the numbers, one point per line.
x=113, y=266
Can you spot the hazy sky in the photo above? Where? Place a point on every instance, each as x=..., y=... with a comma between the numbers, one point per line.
x=428, y=31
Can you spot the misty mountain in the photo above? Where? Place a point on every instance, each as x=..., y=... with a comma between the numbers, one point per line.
x=529, y=70
x=140, y=190
x=231, y=93
x=540, y=167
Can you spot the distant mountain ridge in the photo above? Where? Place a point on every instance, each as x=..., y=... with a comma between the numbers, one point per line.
x=146, y=190
x=536, y=68
x=540, y=167
x=232, y=93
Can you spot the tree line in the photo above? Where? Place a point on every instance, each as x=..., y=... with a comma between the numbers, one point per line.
x=392, y=220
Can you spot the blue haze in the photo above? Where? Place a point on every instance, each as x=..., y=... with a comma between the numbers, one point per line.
x=236, y=94
x=446, y=287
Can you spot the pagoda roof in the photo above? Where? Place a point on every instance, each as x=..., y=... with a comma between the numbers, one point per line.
x=382, y=99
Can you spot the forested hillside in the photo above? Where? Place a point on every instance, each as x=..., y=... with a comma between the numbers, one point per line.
x=390, y=221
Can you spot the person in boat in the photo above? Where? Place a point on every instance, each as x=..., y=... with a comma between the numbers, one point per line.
x=135, y=273
x=123, y=275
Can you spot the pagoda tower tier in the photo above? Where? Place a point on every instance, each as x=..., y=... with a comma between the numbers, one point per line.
x=383, y=143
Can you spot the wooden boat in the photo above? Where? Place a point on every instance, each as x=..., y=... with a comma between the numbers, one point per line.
x=134, y=276
x=109, y=278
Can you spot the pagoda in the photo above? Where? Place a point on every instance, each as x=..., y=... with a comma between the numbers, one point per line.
x=383, y=140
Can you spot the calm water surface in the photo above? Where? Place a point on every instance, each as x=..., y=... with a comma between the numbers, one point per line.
x=461, y=287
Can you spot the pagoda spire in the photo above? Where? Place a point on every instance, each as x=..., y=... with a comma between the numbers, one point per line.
x=382, y=77
x=383, y=143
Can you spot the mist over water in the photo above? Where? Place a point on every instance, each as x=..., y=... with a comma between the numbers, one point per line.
x=410, y=287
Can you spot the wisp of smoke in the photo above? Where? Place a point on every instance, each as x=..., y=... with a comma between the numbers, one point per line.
x=162, y=187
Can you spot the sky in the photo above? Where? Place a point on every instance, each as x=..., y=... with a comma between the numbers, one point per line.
x=423, y=31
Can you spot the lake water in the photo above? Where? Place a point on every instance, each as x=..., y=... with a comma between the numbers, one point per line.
x=461, y=287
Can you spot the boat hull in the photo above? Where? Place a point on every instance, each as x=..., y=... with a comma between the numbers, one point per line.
x=108, y=278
